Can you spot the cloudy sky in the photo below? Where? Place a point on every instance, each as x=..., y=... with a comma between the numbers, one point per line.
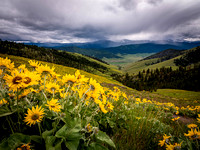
x=91, y=20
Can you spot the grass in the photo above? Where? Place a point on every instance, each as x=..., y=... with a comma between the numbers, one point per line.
x=62, y=70
x=181, y=96
x=126, y=59
x=178, y=97
x=140, y=65
x=131, y=125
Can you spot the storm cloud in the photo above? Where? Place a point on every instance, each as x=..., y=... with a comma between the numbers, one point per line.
x=90, y=20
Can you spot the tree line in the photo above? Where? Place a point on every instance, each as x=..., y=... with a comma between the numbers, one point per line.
x=151, y=80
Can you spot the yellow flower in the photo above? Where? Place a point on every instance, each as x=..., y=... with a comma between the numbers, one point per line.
x=15, y=80
x=22, y=68
x=25, y=93
x=54, y=105
x=89, y=127
x=3, y=101
x=161, y=143
x=1, y=72
x=177, y=145
x=198, y=119
x=69, y=79
x=34, y=115
x=45, y=69
x=6, y=64
x=109, y=106
x=124, y=95
x=138, y=118
x=24, y=147
x=94, y=86
x=169, y=147
x=102, y=108
x=30, y=78
x=193, y=134
x=125, y=102
x=52, y=87
x=34, y=64
x=165, y=140
x=175, y=119
x=192, y=126
x=80, y=78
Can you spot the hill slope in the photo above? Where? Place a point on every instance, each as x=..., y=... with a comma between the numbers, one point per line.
x=58, y=57
x=157, y=60
x=166, y=54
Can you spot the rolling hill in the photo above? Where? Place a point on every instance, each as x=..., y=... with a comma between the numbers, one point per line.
x=162, y=59
x=64, y=58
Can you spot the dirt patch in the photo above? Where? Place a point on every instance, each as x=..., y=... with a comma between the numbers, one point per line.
x=184, y=119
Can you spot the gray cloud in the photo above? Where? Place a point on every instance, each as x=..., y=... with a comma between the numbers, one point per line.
x=88, y=20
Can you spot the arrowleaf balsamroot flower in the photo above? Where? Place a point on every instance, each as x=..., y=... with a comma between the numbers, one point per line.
x=6, y=64
x=192, y=126
x=34, y=64
x=165, y=140
x=193, y=134
x=15, y=80
x=24, y=147
x=52, y=87
x=35, y=115
x=54, y=105
x=45, y=69
x=3, y=101
x=175, y=119
x=69, y=79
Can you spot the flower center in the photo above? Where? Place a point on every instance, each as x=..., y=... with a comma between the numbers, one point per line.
x=195, y=136
x=70, y=82
x=35, y=117
x=52, y=106
x=28, y=80
x=3, y=67
x=16, y=80
x=53, y=89
x=92, y=87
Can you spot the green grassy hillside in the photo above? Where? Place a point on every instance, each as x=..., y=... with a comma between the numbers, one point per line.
x=155, y=62
x=57, y=57
x=62, y=70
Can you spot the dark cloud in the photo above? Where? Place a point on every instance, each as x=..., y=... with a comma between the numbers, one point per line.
x=88, y=20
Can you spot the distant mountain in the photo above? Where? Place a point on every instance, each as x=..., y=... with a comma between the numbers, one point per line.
x=90, y=45
x=110, y=49
x=150, y=47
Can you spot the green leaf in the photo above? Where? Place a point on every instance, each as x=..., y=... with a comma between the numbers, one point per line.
x=47, y=133
x=52, y=143
x=49, y=142
x=4, y=111
x=36, y=138
x=104, y=138
x=96, y=146
x=70, y=132
x=14, y=141
x=72, y=145
x=111, y=123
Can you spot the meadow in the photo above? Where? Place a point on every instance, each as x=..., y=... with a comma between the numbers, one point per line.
x=47, y=106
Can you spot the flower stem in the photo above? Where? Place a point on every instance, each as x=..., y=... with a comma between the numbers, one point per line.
x=40, y=129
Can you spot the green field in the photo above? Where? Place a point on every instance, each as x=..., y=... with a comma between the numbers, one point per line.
x=140, y=65
x=126, y=59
